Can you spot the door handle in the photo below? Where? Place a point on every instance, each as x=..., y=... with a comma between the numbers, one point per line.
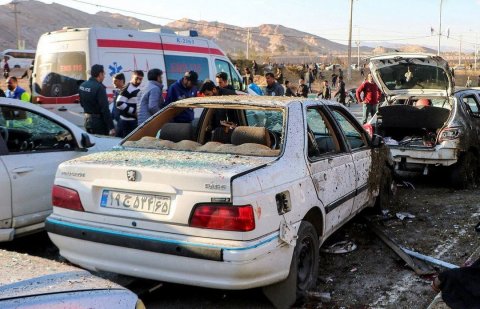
x=23, y=169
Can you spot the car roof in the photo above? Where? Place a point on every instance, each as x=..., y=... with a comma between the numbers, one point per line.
x=247, y=100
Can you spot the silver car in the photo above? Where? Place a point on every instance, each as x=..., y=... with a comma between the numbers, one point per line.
x=424, y=122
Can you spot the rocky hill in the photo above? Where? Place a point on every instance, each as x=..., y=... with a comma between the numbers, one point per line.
x=266, y=38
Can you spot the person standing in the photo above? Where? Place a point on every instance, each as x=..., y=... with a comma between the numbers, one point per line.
x=309, y=79
x=222, y=81
x=152, y=98
x=279, y=75
x=302, y=90
x=127, y=105
x=6, y=67
x=288, y=90
x=247, y=76
x=14, y=91
x=341, y=91
x=118, y=82
x=273, y=88
x=182, y=89
x=29, y=73
x=371, y=97
x=93, y=99
x=334, y=80
x=254, y=67
x=326, y=91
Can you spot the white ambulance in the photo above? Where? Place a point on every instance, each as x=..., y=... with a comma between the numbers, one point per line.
x=64, y=58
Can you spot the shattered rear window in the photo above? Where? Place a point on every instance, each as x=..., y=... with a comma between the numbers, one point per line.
x=414, y=76
x=240, y=130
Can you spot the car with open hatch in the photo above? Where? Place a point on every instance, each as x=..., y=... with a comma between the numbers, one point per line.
x=33, y=142
x=426, y=124
x=242, y=197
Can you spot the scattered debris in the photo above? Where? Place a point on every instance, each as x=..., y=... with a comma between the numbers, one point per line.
x=418, y=266
x=353, y=270
x=340, y=247
x=403, y=215
x=428, y=259
x=324, y=297
x=406, y=184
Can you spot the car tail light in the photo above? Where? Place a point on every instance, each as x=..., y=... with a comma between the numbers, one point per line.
x=223, y=217
x=369, y=128
x=66, y=198
x=449, y=134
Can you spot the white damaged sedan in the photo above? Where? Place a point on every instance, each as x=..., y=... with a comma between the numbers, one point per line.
x=242, y=197
x=33, y=142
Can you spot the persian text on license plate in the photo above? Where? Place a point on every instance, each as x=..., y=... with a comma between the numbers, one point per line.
x=157, y=204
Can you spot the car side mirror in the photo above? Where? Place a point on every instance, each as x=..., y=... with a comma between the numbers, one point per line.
x=86, y=142
x=377, y=141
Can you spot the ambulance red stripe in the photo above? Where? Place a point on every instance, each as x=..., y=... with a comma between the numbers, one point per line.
x=158, y=46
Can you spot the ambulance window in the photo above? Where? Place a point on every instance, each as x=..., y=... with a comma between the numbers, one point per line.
x=233, y=78
x=176, y=66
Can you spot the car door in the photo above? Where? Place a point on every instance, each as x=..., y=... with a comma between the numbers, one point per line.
x=5, y=190
x=357, y=142
x=331, y=167
x=36, y=145
x=472, y=105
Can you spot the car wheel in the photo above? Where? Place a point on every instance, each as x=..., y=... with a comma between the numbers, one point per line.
x=303, y=271
x=16, y=66
x=464, y=173
x=305, y=259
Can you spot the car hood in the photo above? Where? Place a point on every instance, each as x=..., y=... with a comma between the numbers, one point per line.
x=412, y=74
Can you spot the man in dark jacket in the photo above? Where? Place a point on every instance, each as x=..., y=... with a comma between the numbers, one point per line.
x=302, y=90
x=127, y=105
x=182, y=89
x=93, y=98
x=222, y=81
x=273, y=88
x=209, y=89
x=288, y=90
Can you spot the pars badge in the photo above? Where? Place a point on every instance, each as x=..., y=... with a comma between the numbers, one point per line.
x=132, y=175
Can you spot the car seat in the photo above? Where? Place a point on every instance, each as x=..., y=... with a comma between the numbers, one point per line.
x=257, y=135
x=176, y=132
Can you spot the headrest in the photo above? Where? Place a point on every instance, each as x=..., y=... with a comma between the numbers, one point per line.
x=176, y=132
x=423, y=102
x=257, y=135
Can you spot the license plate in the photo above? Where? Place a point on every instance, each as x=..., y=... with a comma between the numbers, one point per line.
x=157, y=204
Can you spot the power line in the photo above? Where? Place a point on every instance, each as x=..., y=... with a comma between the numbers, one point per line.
x=240, y=29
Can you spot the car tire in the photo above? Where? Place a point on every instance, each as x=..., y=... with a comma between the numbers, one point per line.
x=305, y=259
x=464, y=173
x=16, y=66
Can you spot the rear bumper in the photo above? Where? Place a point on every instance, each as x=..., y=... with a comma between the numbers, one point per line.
x=439, y=156
x=248, y=264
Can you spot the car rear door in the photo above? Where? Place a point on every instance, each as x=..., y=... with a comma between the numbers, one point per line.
x=357, y=141
x=331, y=167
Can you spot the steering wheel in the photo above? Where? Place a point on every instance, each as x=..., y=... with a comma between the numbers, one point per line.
x=273, y=139
x=4, y=133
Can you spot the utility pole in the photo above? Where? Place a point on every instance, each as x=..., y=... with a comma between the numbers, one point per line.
x=460, y=52
x=349, y=68
x=358, y=53
x=15, y=12
x=440, y=28
x=248, y=43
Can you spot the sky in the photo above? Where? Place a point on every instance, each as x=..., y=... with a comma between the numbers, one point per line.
x=403, y=22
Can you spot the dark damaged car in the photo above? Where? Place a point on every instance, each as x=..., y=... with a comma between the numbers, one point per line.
x=425, y=123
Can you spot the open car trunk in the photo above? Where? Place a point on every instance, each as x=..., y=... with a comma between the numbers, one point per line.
x=411, y=126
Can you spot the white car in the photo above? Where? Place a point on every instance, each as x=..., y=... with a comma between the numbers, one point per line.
x=241, y=199
x=33, y=142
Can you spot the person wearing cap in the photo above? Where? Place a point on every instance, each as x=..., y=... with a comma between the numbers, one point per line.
x=183, y=88
x=93, y=99
x=152, y=98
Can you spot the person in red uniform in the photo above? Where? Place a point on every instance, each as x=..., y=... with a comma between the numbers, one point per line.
x=371, y=97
